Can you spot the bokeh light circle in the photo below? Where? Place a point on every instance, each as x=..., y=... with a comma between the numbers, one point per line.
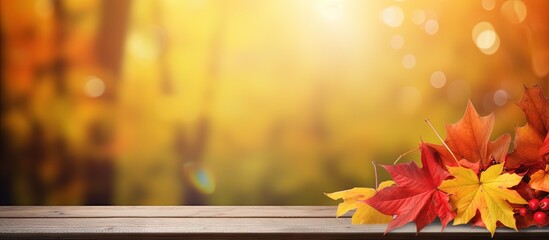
x=409, y=61
x=94, y=87
x=431, y=26
x=488, y=5
x=514, y=11
x=438, y=79
x=486, y=38
x=393, y=16
x=501, y=97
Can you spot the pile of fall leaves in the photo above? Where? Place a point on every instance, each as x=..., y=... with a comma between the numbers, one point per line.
x=467, y=179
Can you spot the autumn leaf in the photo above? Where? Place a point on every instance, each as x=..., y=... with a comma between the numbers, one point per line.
x=353, y=199
x=536, y=108
x=525, y=191
x=416, y=197
x=473, y=166
x=469, y=139
x=544, y=151
x=489, y=195
x=529, y=139
x=540, y=179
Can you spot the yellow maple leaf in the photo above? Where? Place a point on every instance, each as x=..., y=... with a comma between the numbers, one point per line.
x=489, y=195
x=353, y=199
x=540, y=179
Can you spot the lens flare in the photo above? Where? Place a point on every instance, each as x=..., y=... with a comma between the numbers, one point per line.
x=200, y=177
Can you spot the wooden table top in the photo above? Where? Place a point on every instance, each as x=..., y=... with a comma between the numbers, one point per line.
x=215, y=222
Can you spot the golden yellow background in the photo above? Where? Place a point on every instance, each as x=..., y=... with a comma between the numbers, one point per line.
x=243, y=102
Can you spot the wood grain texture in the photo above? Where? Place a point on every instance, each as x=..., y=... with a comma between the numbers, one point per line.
x=168, y=211
x=199, y=222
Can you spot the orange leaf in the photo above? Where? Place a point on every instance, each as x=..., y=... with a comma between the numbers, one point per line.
x=544, y=151
x=469, y=139
x=529, y=138
x=536, y=108
x=540, y=179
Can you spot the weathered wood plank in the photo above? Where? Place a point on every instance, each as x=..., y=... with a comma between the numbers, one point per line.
x=227, y=227
x=168, y=211
x=215, y=222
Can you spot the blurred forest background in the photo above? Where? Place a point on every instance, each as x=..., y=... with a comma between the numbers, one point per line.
x=237, y=102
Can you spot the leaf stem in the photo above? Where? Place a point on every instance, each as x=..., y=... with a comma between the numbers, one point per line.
x=375, y=173
x=406, y=153
x=443, y=143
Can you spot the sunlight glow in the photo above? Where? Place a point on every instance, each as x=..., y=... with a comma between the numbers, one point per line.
x=331, y=10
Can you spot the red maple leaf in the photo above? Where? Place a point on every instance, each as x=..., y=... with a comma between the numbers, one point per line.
x=416, y=196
